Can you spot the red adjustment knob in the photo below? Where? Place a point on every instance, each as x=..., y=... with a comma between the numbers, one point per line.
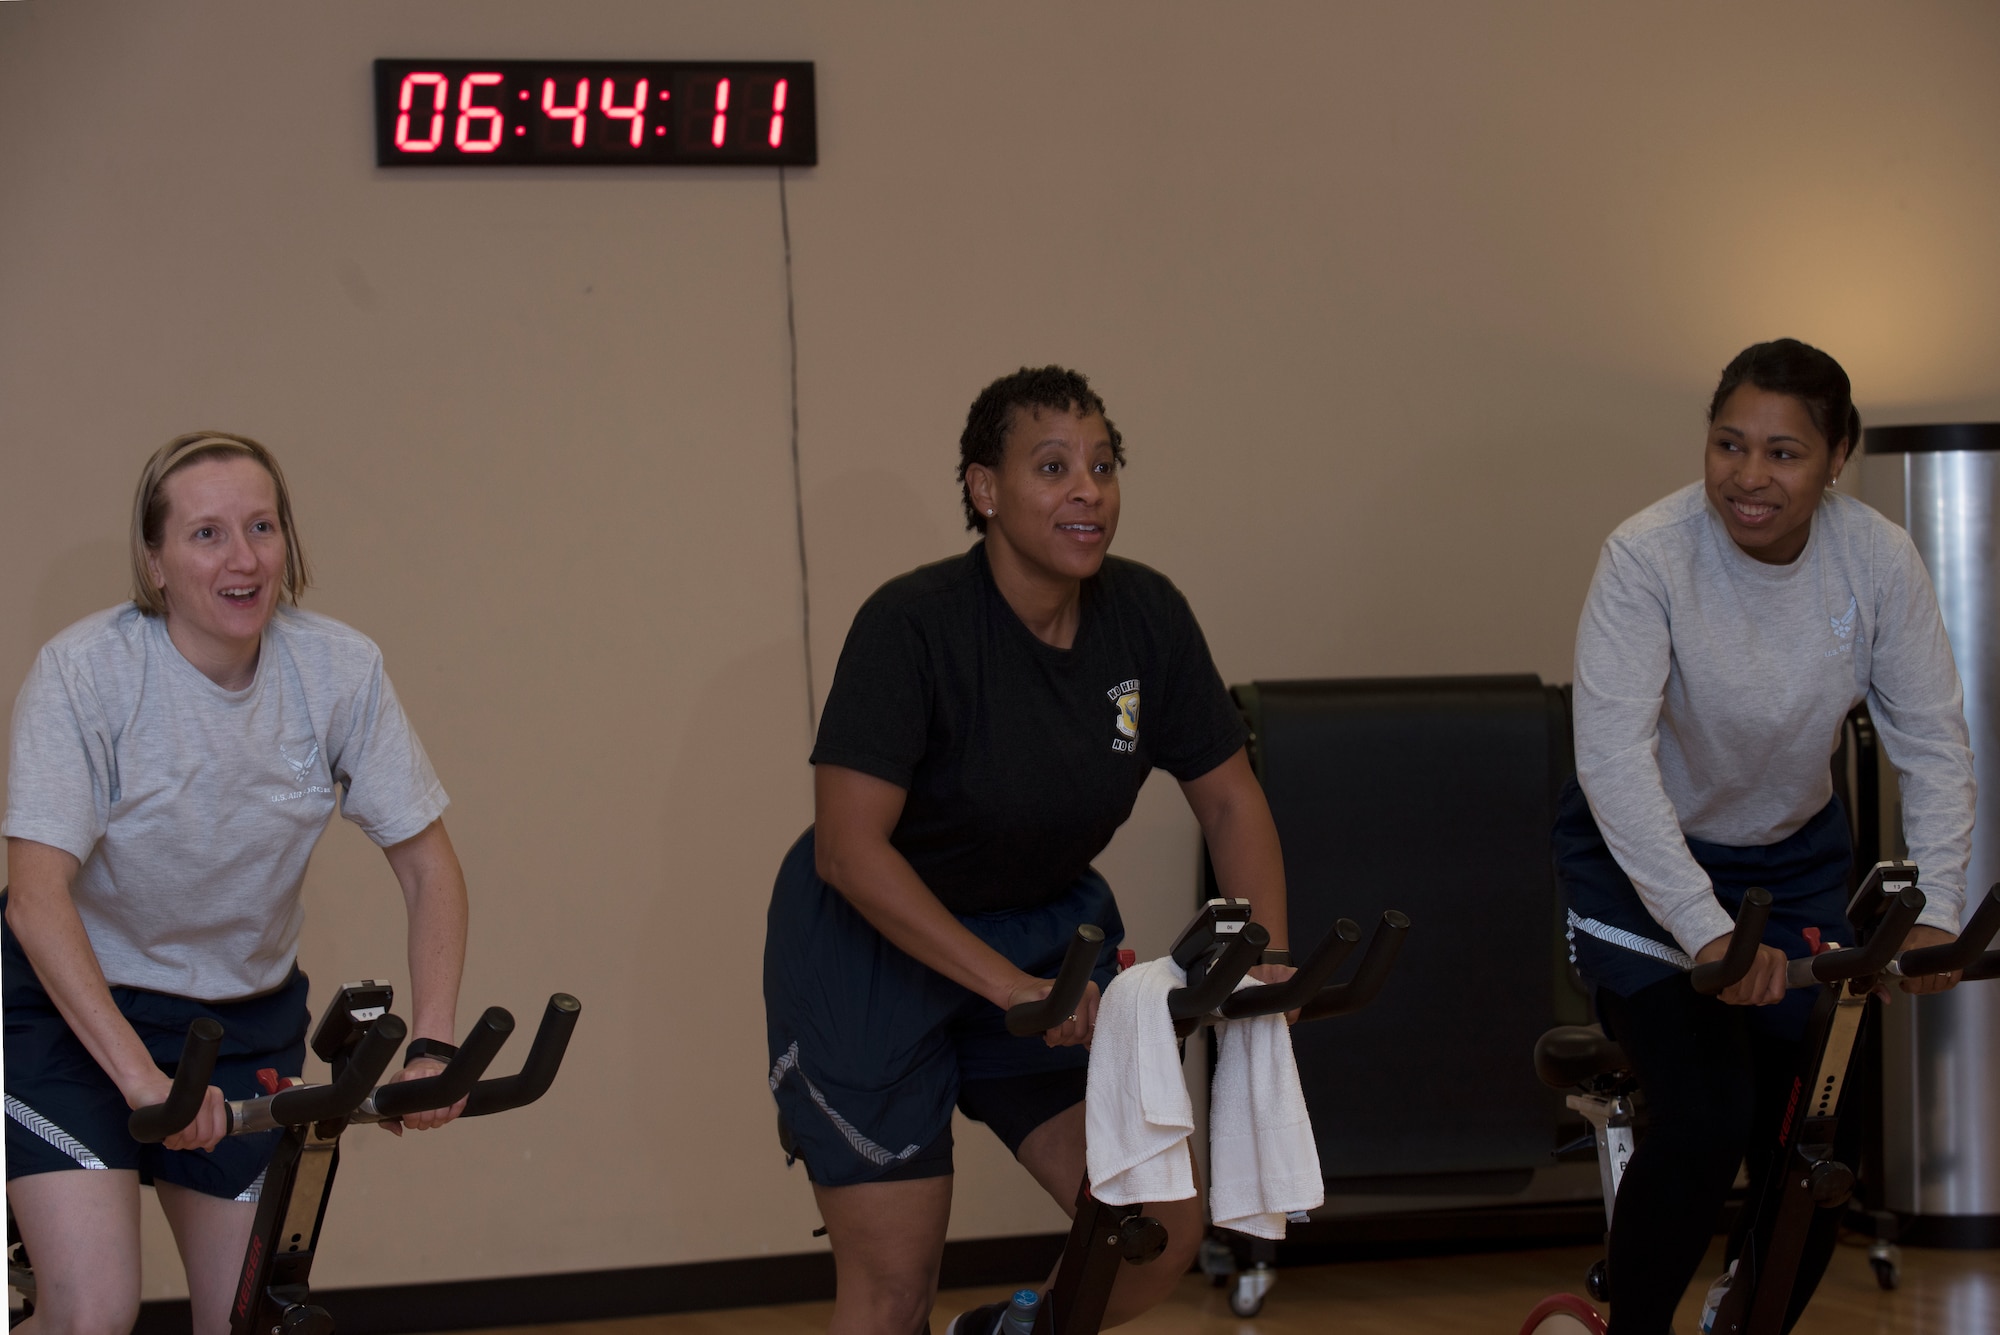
x=1127, y=958
x=269, y=1080
x=1813, y=943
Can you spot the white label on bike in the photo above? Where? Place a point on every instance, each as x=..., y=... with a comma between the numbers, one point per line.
x=1223, y=928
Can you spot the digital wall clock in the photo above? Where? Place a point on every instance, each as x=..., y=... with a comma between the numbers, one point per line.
x=595, y=113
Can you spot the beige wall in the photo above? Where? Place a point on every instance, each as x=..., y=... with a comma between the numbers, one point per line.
x=1401, y=308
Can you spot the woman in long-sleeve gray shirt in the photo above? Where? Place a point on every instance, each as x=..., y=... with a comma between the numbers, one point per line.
x=1729, y=630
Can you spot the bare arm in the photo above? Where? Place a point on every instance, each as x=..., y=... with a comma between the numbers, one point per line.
x=427, y=868
x=46, y=923
x=854, y=815
x=1242, y=841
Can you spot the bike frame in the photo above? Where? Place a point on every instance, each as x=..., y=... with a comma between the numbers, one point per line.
x=1215, y=951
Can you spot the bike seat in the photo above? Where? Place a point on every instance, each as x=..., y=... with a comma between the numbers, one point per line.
x=1575, y=1053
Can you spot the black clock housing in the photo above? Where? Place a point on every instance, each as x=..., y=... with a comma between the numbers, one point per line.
x=595, y=113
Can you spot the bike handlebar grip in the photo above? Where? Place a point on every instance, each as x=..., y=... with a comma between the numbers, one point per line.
x=1985, y=967
x=1839, y=965
x=1301, y=987
x=316, y=1103
x=156, y=1121
x=460, y=1074
x=538, y=1072
x=1079, y=961
x=1959, y=954
x=1713, y=977
x=1348, y=997
x=1237, y=959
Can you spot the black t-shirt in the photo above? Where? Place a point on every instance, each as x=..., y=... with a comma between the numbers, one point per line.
x=1021, y=760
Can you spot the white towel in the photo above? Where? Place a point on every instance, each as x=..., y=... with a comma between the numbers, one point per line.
x=1260, y=1141
x=1136, y=1111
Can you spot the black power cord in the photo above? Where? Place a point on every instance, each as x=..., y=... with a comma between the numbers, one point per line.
x=798, y=480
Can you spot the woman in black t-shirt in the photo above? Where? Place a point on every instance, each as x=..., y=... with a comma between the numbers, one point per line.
x=983, y=740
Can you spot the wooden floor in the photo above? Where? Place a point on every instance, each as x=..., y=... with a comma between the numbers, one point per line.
x=1942, y=1293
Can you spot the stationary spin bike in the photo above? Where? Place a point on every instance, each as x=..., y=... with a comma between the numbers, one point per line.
x=358, y=1038
x=1808, y=1178
x=1215, y=951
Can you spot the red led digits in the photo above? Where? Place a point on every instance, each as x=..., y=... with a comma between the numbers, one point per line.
x=412, y=82
x=721, y=129
x=431, y=112
x=778, y=112
x=470, y=112
x=573, y=114
x=636, y=113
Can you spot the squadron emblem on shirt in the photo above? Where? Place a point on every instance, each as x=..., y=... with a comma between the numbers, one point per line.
x=1843, y=629
x=302, y=772
x=1125, y=696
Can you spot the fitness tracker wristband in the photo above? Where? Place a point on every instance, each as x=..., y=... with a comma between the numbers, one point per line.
x=1276, y=956
x=434, y=1048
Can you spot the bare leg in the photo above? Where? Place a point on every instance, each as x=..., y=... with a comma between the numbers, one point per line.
x=82, y=1232
x=888, y=1239
x=1053, y=1152
x=213, y=1235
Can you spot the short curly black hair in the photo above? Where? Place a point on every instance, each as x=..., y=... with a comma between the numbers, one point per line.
x=984, y=440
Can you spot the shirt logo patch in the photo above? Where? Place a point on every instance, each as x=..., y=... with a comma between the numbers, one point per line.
x=1125, y=697
x=302, y=773
x=1843, y=628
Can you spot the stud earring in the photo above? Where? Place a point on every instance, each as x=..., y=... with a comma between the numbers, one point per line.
x=989, y=514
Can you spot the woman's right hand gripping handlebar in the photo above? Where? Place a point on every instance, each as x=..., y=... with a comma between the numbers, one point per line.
x=1063, y=1009
x=1739, y=968
x=45, y=921
x=855, y=814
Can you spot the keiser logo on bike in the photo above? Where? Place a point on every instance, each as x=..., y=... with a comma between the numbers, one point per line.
x=1125, y=696
x=247, y=1290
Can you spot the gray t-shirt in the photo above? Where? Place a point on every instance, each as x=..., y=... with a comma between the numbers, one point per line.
x=1710, y=689
x=193, y=809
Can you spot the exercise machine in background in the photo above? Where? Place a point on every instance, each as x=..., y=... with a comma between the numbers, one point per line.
x=1808, y=1179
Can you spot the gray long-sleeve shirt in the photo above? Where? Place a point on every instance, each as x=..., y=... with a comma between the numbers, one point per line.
x=1710, y=689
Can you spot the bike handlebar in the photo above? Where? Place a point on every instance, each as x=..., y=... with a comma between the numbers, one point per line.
x=1079, y=962
x=1964, y=953
x=156, y=1121
x=316, y=1103
x=1236, y=960
x=1346, y=998
x=460, y=1074
x=1717, y=975
x=1858, y=961
x=538, y=1072
x=1301, y=987
x=1985, y=967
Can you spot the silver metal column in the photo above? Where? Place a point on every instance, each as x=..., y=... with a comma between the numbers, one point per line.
x=1941, y=1054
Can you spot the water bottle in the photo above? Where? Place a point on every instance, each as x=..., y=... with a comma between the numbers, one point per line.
x=1711, y=1304
x=1020, y=1318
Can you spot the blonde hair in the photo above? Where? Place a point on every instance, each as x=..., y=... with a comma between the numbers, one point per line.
x=149, y=510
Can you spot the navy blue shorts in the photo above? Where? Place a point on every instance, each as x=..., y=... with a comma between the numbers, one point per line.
x=870, y=1050
x=1807, y=874
x=64, y=1112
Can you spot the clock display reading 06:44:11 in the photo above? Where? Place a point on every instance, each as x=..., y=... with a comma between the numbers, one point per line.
x=464, y=113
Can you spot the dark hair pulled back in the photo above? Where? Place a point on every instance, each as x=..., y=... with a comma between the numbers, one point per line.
x=1801, y=371
x=984, y=440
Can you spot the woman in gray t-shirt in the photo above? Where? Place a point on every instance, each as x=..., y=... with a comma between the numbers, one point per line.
x=1729, y=630
x=173, y=762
